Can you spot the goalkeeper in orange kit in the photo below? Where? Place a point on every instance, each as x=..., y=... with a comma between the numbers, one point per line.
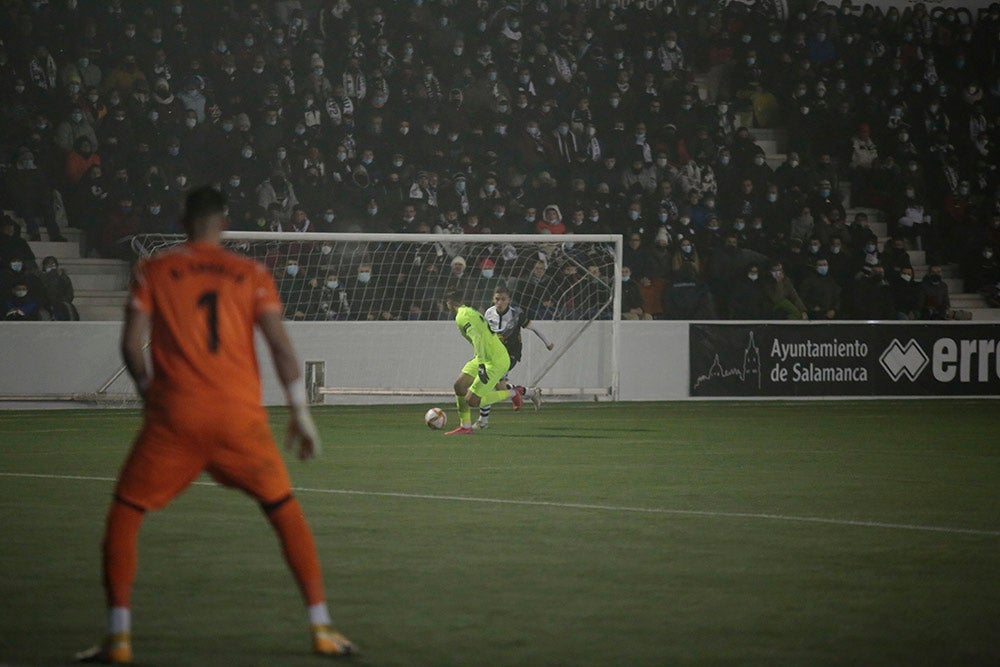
x=199, y=305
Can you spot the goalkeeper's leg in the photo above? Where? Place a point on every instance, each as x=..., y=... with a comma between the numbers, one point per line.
x=462, y=385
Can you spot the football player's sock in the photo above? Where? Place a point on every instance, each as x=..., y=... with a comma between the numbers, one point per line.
x=464, y=413
x=121, y=551
x=484, y=412
x=526, y=392
x=298, y=546
x=319, y=614
x=119, y=620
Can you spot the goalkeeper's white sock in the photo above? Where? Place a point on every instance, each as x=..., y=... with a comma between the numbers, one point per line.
x=119, y=620
x=319, y=614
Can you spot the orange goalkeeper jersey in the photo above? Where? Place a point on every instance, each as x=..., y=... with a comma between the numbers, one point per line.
x=204, y=301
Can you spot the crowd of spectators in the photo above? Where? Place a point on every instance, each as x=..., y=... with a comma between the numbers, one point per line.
x=538, y=116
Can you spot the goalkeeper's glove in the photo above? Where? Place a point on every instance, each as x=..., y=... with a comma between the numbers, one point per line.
x=302, y=435
x=483, y=375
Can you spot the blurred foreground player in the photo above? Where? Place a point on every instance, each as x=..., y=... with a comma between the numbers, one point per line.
x=199, y=303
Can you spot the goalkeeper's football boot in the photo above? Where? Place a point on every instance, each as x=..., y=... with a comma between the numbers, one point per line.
x=536, y=397
x=517, y=400
x=327, y=641
x=461, y=430
x=480, y=425
x=116, y=649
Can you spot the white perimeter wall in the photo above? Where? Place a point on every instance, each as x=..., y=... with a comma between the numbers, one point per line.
x=62, y=358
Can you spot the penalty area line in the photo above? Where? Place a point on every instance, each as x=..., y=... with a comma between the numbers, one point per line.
x=762, y=516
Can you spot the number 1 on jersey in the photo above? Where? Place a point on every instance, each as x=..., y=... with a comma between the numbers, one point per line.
x=210, y=302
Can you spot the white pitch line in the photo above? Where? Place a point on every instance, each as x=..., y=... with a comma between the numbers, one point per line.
x=586, y=506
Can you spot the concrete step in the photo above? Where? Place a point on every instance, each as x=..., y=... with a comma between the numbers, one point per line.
x=776, y=134
x=99, y=281
x=89, y=313
x=954, y=285
x=59, y=250
x=75, y=266
x=984, y=314
x=87, y=297
x=966, y=301
x=71, y=234
x=845, y=194
x=769, y=146
x=948, y=271
x=917, y=257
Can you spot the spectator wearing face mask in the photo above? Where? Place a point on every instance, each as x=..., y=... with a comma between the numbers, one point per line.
x=820, y=292
x=367, y=295
x=294, y=289
x=746, y=298
x=74, y=128
x=935, y=300
x=13, y=245
x=632, y=305
x=328, y=300
x=981, y=270
x=905, y=294
x=19, y=305
x=18, y=271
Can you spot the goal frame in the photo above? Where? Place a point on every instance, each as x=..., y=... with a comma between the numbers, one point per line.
x=611, y=391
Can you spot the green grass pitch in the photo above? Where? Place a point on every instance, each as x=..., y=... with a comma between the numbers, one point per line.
x=650, y=534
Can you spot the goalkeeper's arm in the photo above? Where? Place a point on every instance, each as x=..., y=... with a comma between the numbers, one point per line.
x=541, y=336
x=302, y=434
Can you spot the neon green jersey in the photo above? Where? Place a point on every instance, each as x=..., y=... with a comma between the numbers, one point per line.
x=473, y=327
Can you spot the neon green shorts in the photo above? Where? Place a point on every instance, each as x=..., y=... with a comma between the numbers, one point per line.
x=494, y=372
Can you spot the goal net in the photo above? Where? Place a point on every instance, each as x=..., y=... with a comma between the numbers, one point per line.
x=381, y=298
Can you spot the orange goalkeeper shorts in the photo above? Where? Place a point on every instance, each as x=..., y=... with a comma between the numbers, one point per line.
x=237, y=450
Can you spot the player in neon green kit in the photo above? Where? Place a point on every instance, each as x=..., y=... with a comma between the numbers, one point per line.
x=475, y=386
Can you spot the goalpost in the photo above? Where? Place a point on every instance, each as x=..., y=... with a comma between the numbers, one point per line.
x=367, y=285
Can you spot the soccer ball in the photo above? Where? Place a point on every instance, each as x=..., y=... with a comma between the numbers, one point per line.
x=436, y=418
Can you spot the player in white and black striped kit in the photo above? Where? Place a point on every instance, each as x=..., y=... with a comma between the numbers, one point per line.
x=506, y=321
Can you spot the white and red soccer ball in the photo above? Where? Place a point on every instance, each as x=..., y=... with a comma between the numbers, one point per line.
x=436, y=418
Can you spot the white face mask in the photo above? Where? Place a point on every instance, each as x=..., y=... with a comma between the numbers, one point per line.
x=487, y=273
x=332, y=284
x=292, y=269
x=20, y=293
x=752, y=277
x=364, y=277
